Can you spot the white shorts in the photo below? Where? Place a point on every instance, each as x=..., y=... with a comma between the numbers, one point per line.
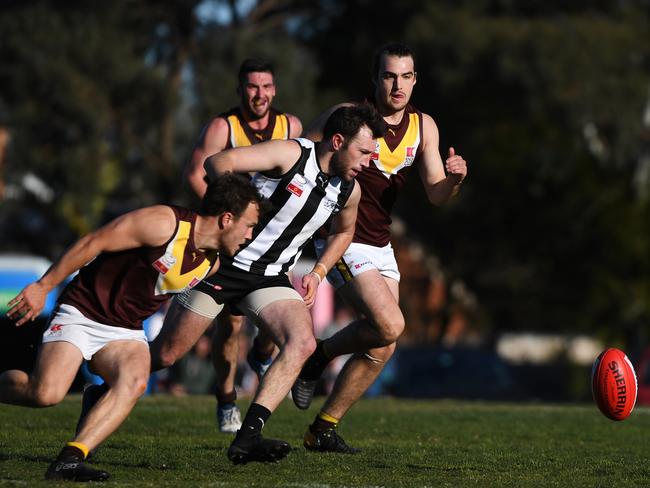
x=70, y=325
x=359, y=258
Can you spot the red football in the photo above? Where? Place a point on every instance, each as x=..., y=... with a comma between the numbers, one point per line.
x=613, y=384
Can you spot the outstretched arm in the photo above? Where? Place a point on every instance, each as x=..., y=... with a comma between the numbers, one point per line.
x=340, y=238
x=151, y=226
x=439, y=186
x=275, y=157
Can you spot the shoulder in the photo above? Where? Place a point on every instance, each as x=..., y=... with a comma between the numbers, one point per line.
x=295, y=125
x=160, y=215
x=218, y=123
x=429, y=127
x=150, y=226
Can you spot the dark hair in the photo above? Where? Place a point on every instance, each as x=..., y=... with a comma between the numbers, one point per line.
x=252, y=65
x=349, y=119
x=230, y=192
x=390, y=49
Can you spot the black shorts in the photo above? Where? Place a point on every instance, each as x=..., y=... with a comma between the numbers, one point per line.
x=231, y=284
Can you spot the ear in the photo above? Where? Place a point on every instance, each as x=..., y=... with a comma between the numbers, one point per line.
x=337, y=141
x=415, y=77
x=225, y=220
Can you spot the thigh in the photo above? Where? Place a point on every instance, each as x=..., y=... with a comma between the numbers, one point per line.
x=57, y=364
x=120, y=358
x=180, y=331
x=372, y=294
x=284, y=319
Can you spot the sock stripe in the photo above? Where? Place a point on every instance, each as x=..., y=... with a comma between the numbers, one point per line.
x=328, y=418
x=82, y=447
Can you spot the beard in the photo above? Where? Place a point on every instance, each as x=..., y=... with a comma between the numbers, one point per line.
x=253, y=115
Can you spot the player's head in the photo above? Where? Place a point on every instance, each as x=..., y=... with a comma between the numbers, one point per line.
x=256, y=87
x=351, y=132
x=237, y=205
x=394, y=76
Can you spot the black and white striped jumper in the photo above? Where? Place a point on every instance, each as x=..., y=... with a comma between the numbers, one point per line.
x=302, y=200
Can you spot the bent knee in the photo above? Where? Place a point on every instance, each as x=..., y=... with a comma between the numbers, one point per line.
x=47, y=396
x=133, y=386
x=301, y=346
x=390, y=328
x=163, y=358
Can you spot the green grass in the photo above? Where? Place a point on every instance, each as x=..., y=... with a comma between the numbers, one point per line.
x=174, y=442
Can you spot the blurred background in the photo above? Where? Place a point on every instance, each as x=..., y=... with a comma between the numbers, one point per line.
x=510, y=291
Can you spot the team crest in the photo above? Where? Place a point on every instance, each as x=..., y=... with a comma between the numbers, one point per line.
x=331, y=205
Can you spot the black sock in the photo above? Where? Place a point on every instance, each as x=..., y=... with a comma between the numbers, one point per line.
x=258, y=355
x=321, y=425
x=254, y=421
x=70, y=454
x=316, y=363
x=319, y=354
x=225, y=398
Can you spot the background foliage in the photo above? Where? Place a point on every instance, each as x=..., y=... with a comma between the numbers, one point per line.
x=549, y=103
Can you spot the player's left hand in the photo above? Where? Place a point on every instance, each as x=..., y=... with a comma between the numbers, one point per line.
x=310, y=283
x=456, y=166
x=27, y=305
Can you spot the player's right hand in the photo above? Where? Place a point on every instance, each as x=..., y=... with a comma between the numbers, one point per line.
x=28, y=304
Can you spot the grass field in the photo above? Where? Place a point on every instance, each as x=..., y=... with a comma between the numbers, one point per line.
x=174, y=442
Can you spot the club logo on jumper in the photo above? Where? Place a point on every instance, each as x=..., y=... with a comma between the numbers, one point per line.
x=331, y=205
x=164, y=264
x=55, y=330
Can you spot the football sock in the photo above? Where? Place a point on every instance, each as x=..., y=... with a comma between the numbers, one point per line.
x=73, y=451
x=254, y=421
x=225, y=398
x=323, y=422
x=258, y=355
x=320, y=354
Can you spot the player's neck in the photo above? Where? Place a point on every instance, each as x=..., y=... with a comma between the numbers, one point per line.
x=392, y=117
x=324, y=155
x=255, y=123
x=204, y=235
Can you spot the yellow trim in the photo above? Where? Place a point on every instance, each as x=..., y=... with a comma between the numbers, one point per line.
x=82, y=447
x=343, y=269
x=238, y=137
x=328, y=418
x=281, y=129
x=174, y=280
x=392, y=161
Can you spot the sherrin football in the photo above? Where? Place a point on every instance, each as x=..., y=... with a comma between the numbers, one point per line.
x=613, y=384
